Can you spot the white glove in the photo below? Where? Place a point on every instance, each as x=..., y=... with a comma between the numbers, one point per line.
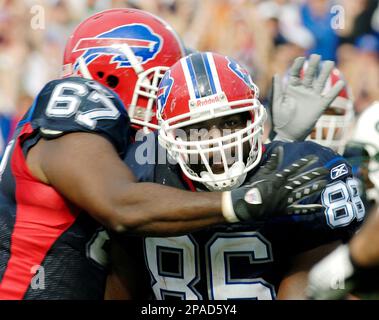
x=328, y=279
x=296, y=108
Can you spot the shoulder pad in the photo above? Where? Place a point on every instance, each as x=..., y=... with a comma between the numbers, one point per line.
x=293, y=151
x=80, y=105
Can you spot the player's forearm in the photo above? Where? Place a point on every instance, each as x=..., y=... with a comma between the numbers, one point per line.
x=364, y=247
x=107, y=190
x=154, y=209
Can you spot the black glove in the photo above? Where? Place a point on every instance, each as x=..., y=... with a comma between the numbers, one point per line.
x=271, y=192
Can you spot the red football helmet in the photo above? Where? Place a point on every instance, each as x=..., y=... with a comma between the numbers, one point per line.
x=201, y=87
x=127, y=50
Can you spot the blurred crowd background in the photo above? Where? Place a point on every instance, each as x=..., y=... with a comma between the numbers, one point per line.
x=264, y=35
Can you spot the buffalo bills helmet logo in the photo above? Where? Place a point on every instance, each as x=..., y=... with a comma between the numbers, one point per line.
x=144, y=43
x=164, y=91
x=240, y=72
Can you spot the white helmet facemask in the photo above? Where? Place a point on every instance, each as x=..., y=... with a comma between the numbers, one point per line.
x=228, y=147
x=332, y=131
x=146, y=86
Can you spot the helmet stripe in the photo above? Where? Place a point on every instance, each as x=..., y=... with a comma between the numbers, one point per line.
x=193, y=78
x=201, y=75
x=209, y=73
x=213, y=72
x=188, y=78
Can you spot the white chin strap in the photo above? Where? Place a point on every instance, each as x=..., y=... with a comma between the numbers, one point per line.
x=223, y=181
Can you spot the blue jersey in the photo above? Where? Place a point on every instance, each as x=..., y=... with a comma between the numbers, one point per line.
x=49, y=248
x=245, y=260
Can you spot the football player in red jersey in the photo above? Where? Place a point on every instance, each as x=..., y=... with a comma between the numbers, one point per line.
x=63, y=178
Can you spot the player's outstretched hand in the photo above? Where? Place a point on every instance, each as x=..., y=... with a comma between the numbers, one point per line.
x=297, y=107
x=271, y=192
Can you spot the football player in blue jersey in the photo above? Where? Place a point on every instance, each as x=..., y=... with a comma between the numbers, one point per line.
x=351, y=271
x=63, y=178
x=211, y=125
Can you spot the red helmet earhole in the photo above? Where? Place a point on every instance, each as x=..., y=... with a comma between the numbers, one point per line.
x=112, y=81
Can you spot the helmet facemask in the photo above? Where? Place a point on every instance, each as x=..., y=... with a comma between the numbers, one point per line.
x=146, y=88
x=232, y=155
x=332, y=130
x=142, y=109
